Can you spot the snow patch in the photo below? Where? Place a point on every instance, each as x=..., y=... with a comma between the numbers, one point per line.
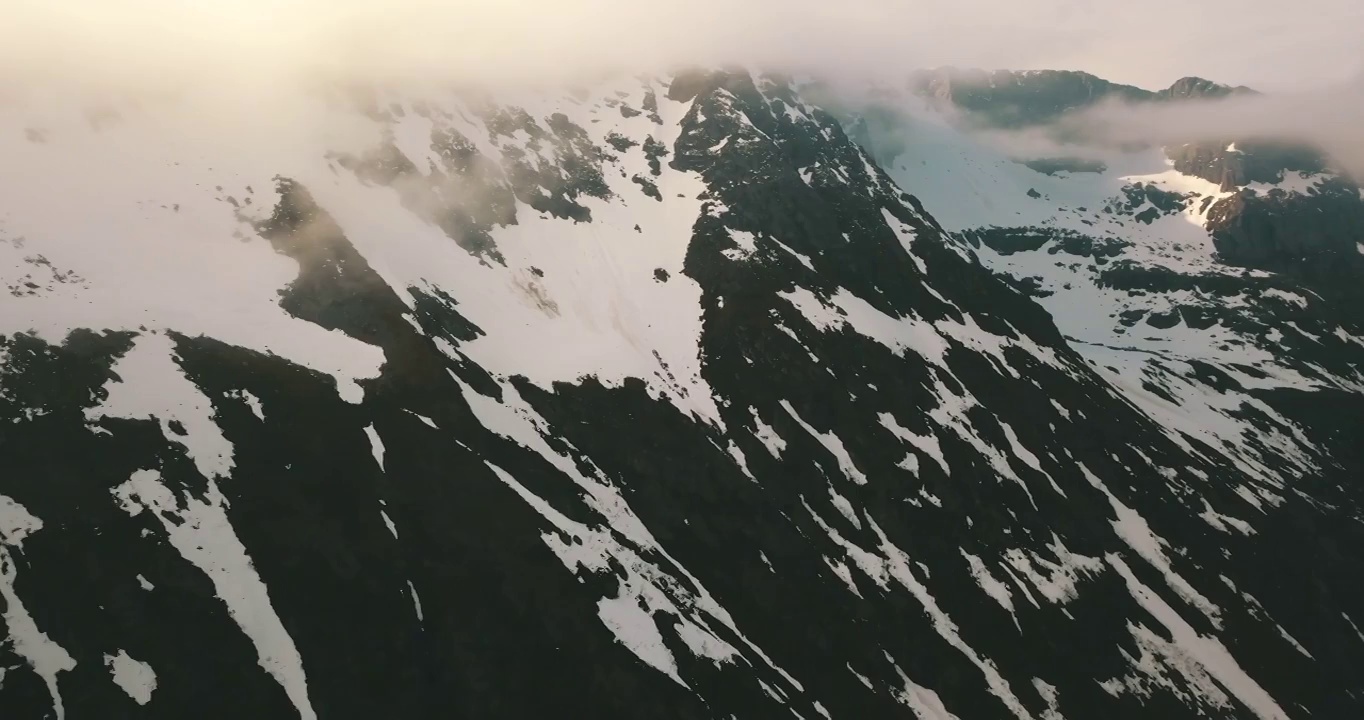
x=739, y=459
x=1057, y=582
x=425, y=420
x=768, y=436
x=635, y=628
x=621, y=542
x=927, y=444
x=844, y=508
x=1290, y=298
x=1207, y=652
x=1051, y=697
x=376, y=446
x=251, y=401
x=831, y=443
x=891, y=563
x=154, y=387
x=842, y=572
x=416, y=601
x=998, y=591
x=1294, y=183
x=1133, y=529
x=164, y=237
x=200, y=530
x=134, y=677
x=32, y=645
x=746, y=244
x=1222, y=522
x=703, y=643
x=923, y=702
x=1353, y=626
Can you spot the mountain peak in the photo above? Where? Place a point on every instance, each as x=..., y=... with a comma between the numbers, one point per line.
x=1194, y=87
x=1015, y=99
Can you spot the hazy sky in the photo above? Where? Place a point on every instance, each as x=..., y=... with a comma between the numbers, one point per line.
x=1270, y=44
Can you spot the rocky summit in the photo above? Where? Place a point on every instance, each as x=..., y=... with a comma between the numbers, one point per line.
x=675, y=397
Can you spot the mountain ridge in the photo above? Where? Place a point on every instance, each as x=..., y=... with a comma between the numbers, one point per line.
x=1014, y=99
x=698, y=411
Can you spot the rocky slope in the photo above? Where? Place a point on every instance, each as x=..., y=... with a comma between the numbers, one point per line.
x=1172, y=255
x=661, y=399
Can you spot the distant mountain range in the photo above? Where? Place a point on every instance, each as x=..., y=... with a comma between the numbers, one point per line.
x=1010, y=99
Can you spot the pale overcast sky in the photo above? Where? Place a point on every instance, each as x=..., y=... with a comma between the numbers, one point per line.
x=1270, y=44
x=1266, y=43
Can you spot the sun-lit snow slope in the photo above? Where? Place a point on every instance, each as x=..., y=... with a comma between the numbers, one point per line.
x=1122, y=257
x=657, y=398
x=156, y=200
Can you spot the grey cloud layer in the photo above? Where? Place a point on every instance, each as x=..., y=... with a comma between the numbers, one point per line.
x=264, y=46
x=1331, y=118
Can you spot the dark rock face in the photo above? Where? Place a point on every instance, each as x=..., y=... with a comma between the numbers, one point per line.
x=1232, y=165
x=1234, y=162
x=1137, y=195
x=1317, y=238
x=1007, y=99
x=1197, y=88
x=1052, y=166
x=1011, y=99
x=1283, y=231
x=954, y=513
x=1007, y=241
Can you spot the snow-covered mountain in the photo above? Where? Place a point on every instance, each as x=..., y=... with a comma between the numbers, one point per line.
x=660, y=398
x=1204, y=278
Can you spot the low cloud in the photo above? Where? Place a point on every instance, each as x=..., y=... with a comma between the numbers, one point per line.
x=1329, y=119
x=137, y=43
x=251, y=56
x=268, y=42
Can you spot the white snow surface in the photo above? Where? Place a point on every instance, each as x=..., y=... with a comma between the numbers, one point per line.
x=767, y=435
x=376, y=445
x=1208, y=652
x=134, y=677
x=966, y=183
x=923, y=702
x=155, y=244
x=153, y=386
x=158, y=245
x=199, y=529
x=1055, y=581
x=831, y=443
x=990, y=585
x=31, y=644
x=594, y=308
